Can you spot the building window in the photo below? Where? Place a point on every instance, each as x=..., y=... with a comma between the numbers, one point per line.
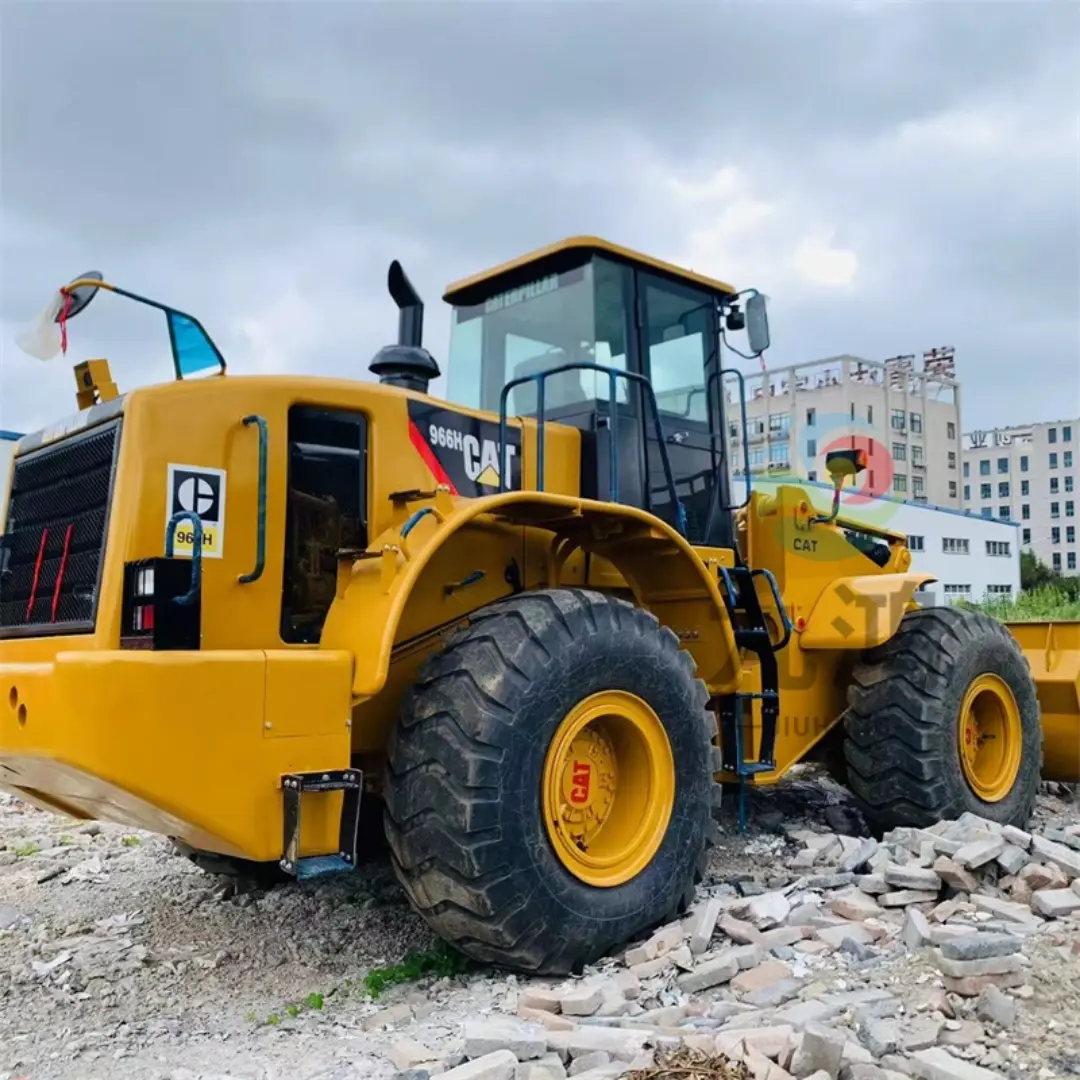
x=811, y=417
x=1003, y=513
x=1066, y=459
x=955, y=593
x=950, y=430
x=987, y=511
x=1068, y=483
x=1023, y=463
x=1070, y=534
x=779, y=423
x=1053, y=461
x=967, y=469
x=1025, y=511
x=1066, y=433
x=869, y=414
x=999, y=590
x=1055, y=535
x=984, y=467
x=1003, y=464
x=811, y=448
x=997, y=547
x=780, y=454
x=812, y=476
x=986, y=491
x=1051, y=435
x=1025, y=487
x=1053, y=485
x=1055, y=509
x=1056, y=561
x=1003, y=489
x=757, y=455
x=1070, y=560
x=757, y=427
x=952, y=489
x=1069, y=504
x=967, y=493
x=956, y=545
x=899, y=482
x=897, y=419
x=916, y=423
x=917, y=486
x=952, y=459
x=916, y=543
x=1027, y=536
x=917, y=456
x=899, y=451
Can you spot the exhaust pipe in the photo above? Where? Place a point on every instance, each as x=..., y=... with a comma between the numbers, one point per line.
x=407, y=365
x=410, y=307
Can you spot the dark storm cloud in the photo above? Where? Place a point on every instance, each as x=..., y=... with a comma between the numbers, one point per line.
x=259, y=164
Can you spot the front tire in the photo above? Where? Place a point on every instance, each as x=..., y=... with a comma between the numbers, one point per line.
x=548, y=784
x=943, y=719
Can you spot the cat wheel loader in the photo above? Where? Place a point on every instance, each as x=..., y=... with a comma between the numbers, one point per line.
x=527, y=628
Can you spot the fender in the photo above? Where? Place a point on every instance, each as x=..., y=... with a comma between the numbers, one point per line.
x=662, y=570
x=860, y=612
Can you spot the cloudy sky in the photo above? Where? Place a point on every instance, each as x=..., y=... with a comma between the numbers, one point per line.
x=895, y=176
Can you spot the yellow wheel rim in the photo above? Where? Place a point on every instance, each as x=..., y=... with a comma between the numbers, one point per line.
x=990, y=738
x=608, y=788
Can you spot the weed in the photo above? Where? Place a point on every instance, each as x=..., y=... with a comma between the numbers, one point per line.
x=314, y=1001
x=1043, y=604
x=252, y=1016
x=273, y=1019
x=131, y=841
x=441, y=960
x=26, y=849
x=293, y=1011
x=66, y=841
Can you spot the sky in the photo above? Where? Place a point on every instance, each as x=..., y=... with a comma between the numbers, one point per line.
x=895, y=176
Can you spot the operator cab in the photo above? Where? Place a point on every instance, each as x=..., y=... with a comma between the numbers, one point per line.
x=585, y=300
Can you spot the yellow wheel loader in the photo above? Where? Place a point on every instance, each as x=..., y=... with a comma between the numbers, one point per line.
x=527, y=628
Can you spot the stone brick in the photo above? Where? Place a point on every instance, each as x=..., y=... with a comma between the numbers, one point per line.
x=408, y=1053
x=621, y=1045
x=539, y=998
x=770, y=1041
x=704, y=924
x=904, y=897
x=1055, y=903
x=652, y=967
x=627, y=984
x=961, y=1033
x=954, y=875
x=1013, y=859
x=757, y=977
x=548, y=1068
x=742, y=933
x=855, y=906
x=936, y=1063
x=500, y=1065
x=987, y=965
x=582, y=1000
x=526, y=1041
x=1037, y=876
x=873, y=884
x=821, y=1049
x=915, y=878
x=668, y=938
x=972, y=856
x=835, y=936
x=916, y=932
x=976, y=946
x=746, y=956
x=640, y=954
x=396, y=1014
x=714, y=972
x=775, y=994
x=944, y=911
x=780, y=936
x=974, y=985
x=859, y=857
x=589, y=1061
x=768, y=910
x=994, y=1007
x=1058, y=854
x=1012, y=835
x=549, y=1021
x=881, y=1037
x=813, y=948
x=1006, y=910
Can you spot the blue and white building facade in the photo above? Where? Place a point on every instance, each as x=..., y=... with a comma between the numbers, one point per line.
x=8, y=441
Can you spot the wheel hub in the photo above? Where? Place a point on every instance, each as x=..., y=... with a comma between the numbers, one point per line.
x=990, y=738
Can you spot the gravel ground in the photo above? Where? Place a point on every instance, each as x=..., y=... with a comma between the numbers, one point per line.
x=119, y=959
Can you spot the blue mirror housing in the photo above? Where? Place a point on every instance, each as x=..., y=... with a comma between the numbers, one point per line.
x=192, y=348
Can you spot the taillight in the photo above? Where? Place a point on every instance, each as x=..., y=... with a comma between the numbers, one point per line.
x=161, y=610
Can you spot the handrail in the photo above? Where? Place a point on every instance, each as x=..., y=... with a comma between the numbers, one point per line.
x=540, y=377
x=196, y=552
x=745, y=438
x=260, y=541
x=779, y=601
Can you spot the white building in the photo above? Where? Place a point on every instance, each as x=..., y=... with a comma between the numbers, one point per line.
x=1030, y=473
x=973, y=558
x=8, y=439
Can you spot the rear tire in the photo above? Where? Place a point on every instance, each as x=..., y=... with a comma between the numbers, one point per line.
x=949, y=680
x=469, y=774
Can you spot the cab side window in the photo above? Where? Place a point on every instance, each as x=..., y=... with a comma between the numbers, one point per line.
x=326, y=510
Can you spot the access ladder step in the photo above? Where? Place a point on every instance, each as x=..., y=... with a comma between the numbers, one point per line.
x=294, y=786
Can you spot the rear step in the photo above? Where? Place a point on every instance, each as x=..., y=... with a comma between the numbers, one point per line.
x=293, y=787
x=740, y=595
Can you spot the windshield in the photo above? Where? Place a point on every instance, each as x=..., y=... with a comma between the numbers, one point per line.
x=575, y=316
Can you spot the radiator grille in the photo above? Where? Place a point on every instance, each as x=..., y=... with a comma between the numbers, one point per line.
x=56, y=522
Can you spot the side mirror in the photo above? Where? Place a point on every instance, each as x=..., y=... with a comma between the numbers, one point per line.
x=757, y=323
x=81, y=295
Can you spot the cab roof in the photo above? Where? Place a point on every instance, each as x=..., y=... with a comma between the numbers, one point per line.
x=563, y=255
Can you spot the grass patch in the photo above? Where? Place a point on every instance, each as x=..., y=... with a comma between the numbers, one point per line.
x=26, y=849
x=131, y=841
x=440, y=960
x=1048, y=602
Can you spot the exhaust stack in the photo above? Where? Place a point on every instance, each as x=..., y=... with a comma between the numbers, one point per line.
x=407, y=364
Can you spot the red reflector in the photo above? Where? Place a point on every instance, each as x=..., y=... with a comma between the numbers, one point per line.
x=148, y=617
